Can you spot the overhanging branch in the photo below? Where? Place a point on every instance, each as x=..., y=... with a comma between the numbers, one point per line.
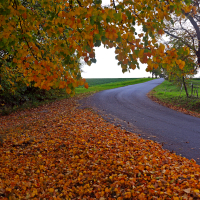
x=174, y=36
x=195, y=25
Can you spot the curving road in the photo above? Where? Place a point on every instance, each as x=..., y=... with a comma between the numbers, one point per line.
x=133, y=110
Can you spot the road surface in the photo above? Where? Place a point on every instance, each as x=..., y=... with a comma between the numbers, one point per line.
x=130, y=108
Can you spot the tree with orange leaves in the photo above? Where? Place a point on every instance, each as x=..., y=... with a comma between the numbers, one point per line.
x=43, y=39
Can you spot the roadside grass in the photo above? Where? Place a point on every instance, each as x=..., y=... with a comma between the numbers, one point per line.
x=38, y=97
x=96, y=85
x=171, y=94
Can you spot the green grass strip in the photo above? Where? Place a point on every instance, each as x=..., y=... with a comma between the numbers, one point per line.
x=109, y=85
x=170, y=93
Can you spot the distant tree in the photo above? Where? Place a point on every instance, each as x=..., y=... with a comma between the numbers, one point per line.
x=181, y=75
x=156, y=72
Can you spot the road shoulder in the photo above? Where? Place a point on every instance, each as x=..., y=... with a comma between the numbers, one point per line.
x=151, y=96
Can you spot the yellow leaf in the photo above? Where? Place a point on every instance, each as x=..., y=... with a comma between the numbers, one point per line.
x=188, y=9
x=41, y=167
x=34, y=192
x=127, y=194
x=162, y=48
x=180, y=63
x=8, y=189
x=188, y=50
x=141, y=53
x=68, y=90
x=51, y=190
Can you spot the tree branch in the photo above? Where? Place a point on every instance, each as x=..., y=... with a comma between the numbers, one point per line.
x=195, y=25
x=114, y=5
x=79, y=3
x=70, y=4
x=188, y=34
x=174, y=36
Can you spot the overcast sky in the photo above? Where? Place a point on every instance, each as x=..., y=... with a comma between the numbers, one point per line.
x=106, y=67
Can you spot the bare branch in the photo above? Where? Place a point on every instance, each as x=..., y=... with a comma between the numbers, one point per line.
x=174, y=36
x=79, y=3
x=195, y=25
x=188, y=34
x=114, y=5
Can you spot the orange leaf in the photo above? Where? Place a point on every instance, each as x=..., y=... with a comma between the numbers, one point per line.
x=24, y=15
x=161, y=32
x=86, y=85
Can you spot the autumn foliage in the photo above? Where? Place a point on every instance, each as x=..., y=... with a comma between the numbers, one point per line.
x=62, y=152
x=42, y=41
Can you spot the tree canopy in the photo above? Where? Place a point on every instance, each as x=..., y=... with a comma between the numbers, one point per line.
x=42, y=41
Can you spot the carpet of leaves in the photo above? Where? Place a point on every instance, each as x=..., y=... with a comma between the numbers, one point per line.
x=58, y=151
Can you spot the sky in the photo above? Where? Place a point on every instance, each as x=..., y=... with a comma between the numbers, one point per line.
x=106, y=67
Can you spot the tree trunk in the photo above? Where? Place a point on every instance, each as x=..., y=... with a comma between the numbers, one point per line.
x=186, y=91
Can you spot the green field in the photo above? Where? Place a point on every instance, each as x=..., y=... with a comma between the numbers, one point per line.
x=167, y=92
x=100, y=81
x=99, y=84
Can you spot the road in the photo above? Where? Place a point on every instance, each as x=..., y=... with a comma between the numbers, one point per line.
x=130, y=108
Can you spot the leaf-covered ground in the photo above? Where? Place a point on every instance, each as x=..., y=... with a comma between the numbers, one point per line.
x=60, y=152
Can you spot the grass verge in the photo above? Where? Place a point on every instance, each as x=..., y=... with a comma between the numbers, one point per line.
x=93, y=87
x=171, y=96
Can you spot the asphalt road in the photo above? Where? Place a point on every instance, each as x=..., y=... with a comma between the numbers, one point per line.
x=130, y=108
